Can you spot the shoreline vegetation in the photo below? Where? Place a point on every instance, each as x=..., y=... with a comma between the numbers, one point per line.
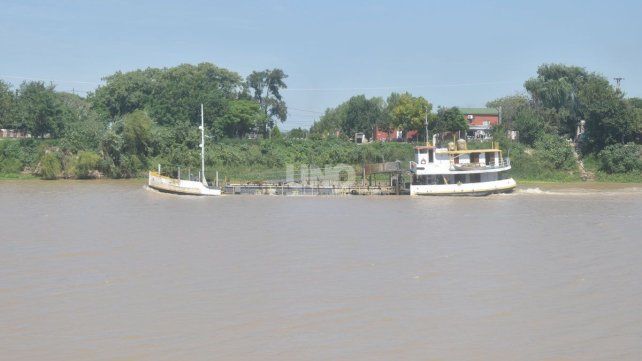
x=572, y=126
x=247, y=161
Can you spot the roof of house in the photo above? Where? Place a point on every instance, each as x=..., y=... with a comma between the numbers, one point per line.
x=479, y=111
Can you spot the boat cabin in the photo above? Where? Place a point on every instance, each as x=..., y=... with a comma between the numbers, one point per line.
x=458, y=170
x=432, y=160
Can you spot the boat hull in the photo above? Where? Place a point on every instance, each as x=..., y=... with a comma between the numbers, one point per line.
x=473, y=189
x=179, y=186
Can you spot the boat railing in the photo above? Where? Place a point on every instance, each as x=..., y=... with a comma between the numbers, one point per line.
x=502, y=163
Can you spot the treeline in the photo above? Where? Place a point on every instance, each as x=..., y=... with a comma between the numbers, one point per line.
x=135, y=117
x=548, y=112
x=145, y=117
x=562, y=98
x=399, y=111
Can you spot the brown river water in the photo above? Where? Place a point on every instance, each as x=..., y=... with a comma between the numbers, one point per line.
x=111, y=271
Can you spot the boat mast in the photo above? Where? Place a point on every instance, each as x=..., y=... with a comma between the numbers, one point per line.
x=202, y=145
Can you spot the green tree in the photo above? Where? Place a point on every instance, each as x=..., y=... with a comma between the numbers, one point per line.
x=358, y=114
x=7, y=105
x=330, y=122
x=240, y=118
x=111, y=148
x=609, y=118
x=388, y=122
x=266, y=88
x=449, y=120
x=555, y=89
x=83, y=128
x=40, y=110
x=409, y=112
x=530, y=125
x=276, y=133
x=555, y=153
x=170, y=95
x=137, y=133
x=297, y=133
x=182, y=89
x=361, y=115
x=511, y=107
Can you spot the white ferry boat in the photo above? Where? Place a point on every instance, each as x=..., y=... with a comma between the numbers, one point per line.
x=180, y=186
x=456, y=170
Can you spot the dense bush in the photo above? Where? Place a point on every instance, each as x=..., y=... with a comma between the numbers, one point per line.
x=50, y=166
x=86, y=163
x=10, y=165
x=555, y=152
x=10, y=162
x=620, y=158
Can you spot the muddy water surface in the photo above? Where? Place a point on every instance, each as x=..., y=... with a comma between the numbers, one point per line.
x=112, y=271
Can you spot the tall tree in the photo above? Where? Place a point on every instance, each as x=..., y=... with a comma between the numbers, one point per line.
x=361, y=115
x=7, y=105
x=171, y=96
x=330, y=122
x=555, y=90
x=240, y=118
x=449, y=120
x=610, y=119
x=40, y=109
x=266, y=88
x=358, y=114
x=409, y=112
x=83, y=128
x=137, y=133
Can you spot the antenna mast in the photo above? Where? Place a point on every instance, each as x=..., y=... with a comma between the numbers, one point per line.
x=202, y=145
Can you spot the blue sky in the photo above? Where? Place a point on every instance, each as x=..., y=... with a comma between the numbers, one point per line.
x=462, y=53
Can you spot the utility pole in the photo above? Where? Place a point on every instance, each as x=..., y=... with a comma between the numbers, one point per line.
x=202, y=145
x=618, y=80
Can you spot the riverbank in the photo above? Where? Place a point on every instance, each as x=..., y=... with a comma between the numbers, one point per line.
x=264, y=160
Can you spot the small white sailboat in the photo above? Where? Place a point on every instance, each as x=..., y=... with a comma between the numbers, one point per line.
x=179, y=186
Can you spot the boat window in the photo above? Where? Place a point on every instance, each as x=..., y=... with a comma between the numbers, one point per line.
x=474, y=158
x=475, y=178
x=430, y=156
x=490, y=158
x=460, y=178
x=428, y=179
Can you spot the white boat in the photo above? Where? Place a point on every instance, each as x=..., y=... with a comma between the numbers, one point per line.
x=459, y=171
x=180, y=186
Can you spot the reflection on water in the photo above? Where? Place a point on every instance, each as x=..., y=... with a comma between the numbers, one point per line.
x=111, y=271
